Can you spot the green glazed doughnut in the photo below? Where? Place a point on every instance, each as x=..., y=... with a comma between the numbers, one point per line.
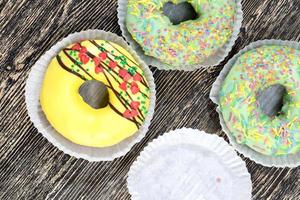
x=190, y=42
x=254, y=71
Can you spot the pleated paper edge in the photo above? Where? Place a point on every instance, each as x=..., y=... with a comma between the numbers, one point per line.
x=33, y=87
x=214, y=143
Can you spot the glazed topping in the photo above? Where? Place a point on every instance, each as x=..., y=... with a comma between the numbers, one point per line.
x=119, y=73
x=260, y=99
x=95, y=93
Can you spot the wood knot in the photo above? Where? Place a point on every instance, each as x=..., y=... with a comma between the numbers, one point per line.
x=94, y=93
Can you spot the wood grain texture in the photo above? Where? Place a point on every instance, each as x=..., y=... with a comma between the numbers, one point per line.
x=32, y=168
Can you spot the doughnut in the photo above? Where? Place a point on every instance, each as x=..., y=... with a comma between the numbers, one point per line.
x=95, y=93
x=263, y=69
x=190, y=42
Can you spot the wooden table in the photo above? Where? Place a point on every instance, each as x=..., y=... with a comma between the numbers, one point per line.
x=32, y=168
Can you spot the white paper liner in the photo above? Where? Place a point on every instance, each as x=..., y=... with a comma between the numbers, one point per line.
x=212, y=61
x=32, y=94
x=187, y=164
x=292, y=160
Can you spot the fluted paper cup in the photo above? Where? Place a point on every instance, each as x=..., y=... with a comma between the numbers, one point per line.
x=189, y=164
x=32, y=95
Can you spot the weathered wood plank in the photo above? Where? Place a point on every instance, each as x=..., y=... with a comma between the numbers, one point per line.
x=32, y=168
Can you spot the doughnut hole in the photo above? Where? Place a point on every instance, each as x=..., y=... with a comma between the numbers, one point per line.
x=94, y=93
x=178, y=13
x=271, y=100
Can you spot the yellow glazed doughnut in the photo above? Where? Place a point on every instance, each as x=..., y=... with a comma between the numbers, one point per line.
x=76, y=120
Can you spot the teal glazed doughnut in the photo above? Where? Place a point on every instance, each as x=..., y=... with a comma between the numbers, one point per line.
x=188, y=43
x=253, y=72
